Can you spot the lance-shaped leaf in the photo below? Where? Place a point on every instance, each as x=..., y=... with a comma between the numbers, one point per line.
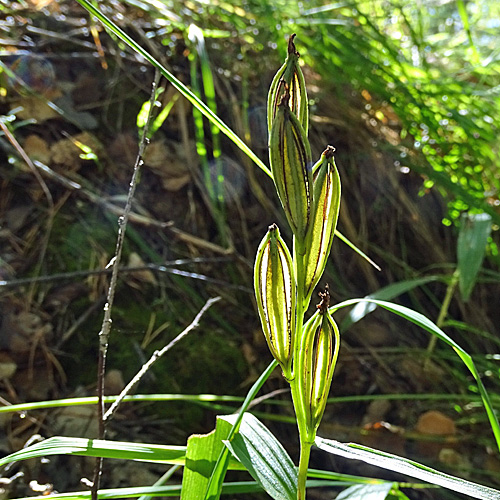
x=290, y=158
x=289, y=78
x=275, y=293
x=324, y=220
x=322, y=342
x=475, y=230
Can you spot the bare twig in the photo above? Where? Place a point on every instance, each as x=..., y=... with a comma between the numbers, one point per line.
x=28, y=162
x=155, y=357
x=166, y=267
x=106, y=322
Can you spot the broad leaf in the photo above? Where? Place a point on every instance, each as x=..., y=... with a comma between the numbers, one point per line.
x=219, y=471
x=202, y=454
x=264, y=457
x=407, y=467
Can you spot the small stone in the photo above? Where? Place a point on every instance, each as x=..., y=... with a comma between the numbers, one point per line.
x=435, y=423
x=113, y=382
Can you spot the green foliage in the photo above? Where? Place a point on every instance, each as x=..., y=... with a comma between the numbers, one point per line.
x=407, y=467
x=365, y=492
x=264, y=457
x=473, y=237
x=201, y=459
x=433, y=76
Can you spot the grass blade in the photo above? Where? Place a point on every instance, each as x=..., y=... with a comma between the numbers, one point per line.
x=407, y=467
x=100, y=448
x=192, y=98
x=425, y=323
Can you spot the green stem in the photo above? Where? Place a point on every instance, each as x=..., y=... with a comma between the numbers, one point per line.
x=297, y=382
x=305, y=453
x=443, y=312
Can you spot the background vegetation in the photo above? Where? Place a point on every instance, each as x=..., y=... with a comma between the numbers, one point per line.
x=408, y=95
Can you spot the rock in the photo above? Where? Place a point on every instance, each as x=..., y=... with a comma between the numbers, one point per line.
x=435, y=423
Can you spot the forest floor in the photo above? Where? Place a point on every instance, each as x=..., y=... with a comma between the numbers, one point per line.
x=69, y=110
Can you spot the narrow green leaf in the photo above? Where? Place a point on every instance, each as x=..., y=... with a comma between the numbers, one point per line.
x=405, y=466
x=100, y=448
x=389, y=292
x=365, y=492
x=234, y=488
x=92, y=400
x=192, y=98
x=471, y=247
x=351, y=245
x=264, y=457
x=425, y=323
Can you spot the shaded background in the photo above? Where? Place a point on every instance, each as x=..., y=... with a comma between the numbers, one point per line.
x=408, y=95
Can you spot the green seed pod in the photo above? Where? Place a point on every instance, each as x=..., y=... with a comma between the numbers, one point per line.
x=289, y=77
x=274, y=284
x=324, y=218
x=322, y=342
x=290, y=158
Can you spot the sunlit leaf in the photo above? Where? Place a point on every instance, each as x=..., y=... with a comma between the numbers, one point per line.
x=360, y=310
x=365, y=492
x=218, y=473
x=100, y=448
x=264, y=457
x=405, y=466
x=425, y=323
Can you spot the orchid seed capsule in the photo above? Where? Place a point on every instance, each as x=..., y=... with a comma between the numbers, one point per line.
x=274, y=284
x=322, y=342
x=324, y=218
x=289, y=78
x=291, y=166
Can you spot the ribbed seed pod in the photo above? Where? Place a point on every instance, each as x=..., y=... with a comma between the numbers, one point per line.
x=274, y=285
x=290, y=159
x=289, y=77
x=322, y=342
x=324, y=218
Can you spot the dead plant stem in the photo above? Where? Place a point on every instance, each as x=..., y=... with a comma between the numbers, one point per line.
x=155, y=357
x=115, y=263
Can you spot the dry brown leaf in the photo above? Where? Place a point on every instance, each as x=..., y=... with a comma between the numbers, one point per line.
x=67, y=152
x=33, y=108
x=37, y=148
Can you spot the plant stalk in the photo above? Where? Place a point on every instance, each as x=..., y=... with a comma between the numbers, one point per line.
x=443, y=312
x=305, y=453
x=297, y=383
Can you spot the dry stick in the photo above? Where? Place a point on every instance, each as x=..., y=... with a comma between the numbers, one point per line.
x=106, y=322
x=155, y=357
